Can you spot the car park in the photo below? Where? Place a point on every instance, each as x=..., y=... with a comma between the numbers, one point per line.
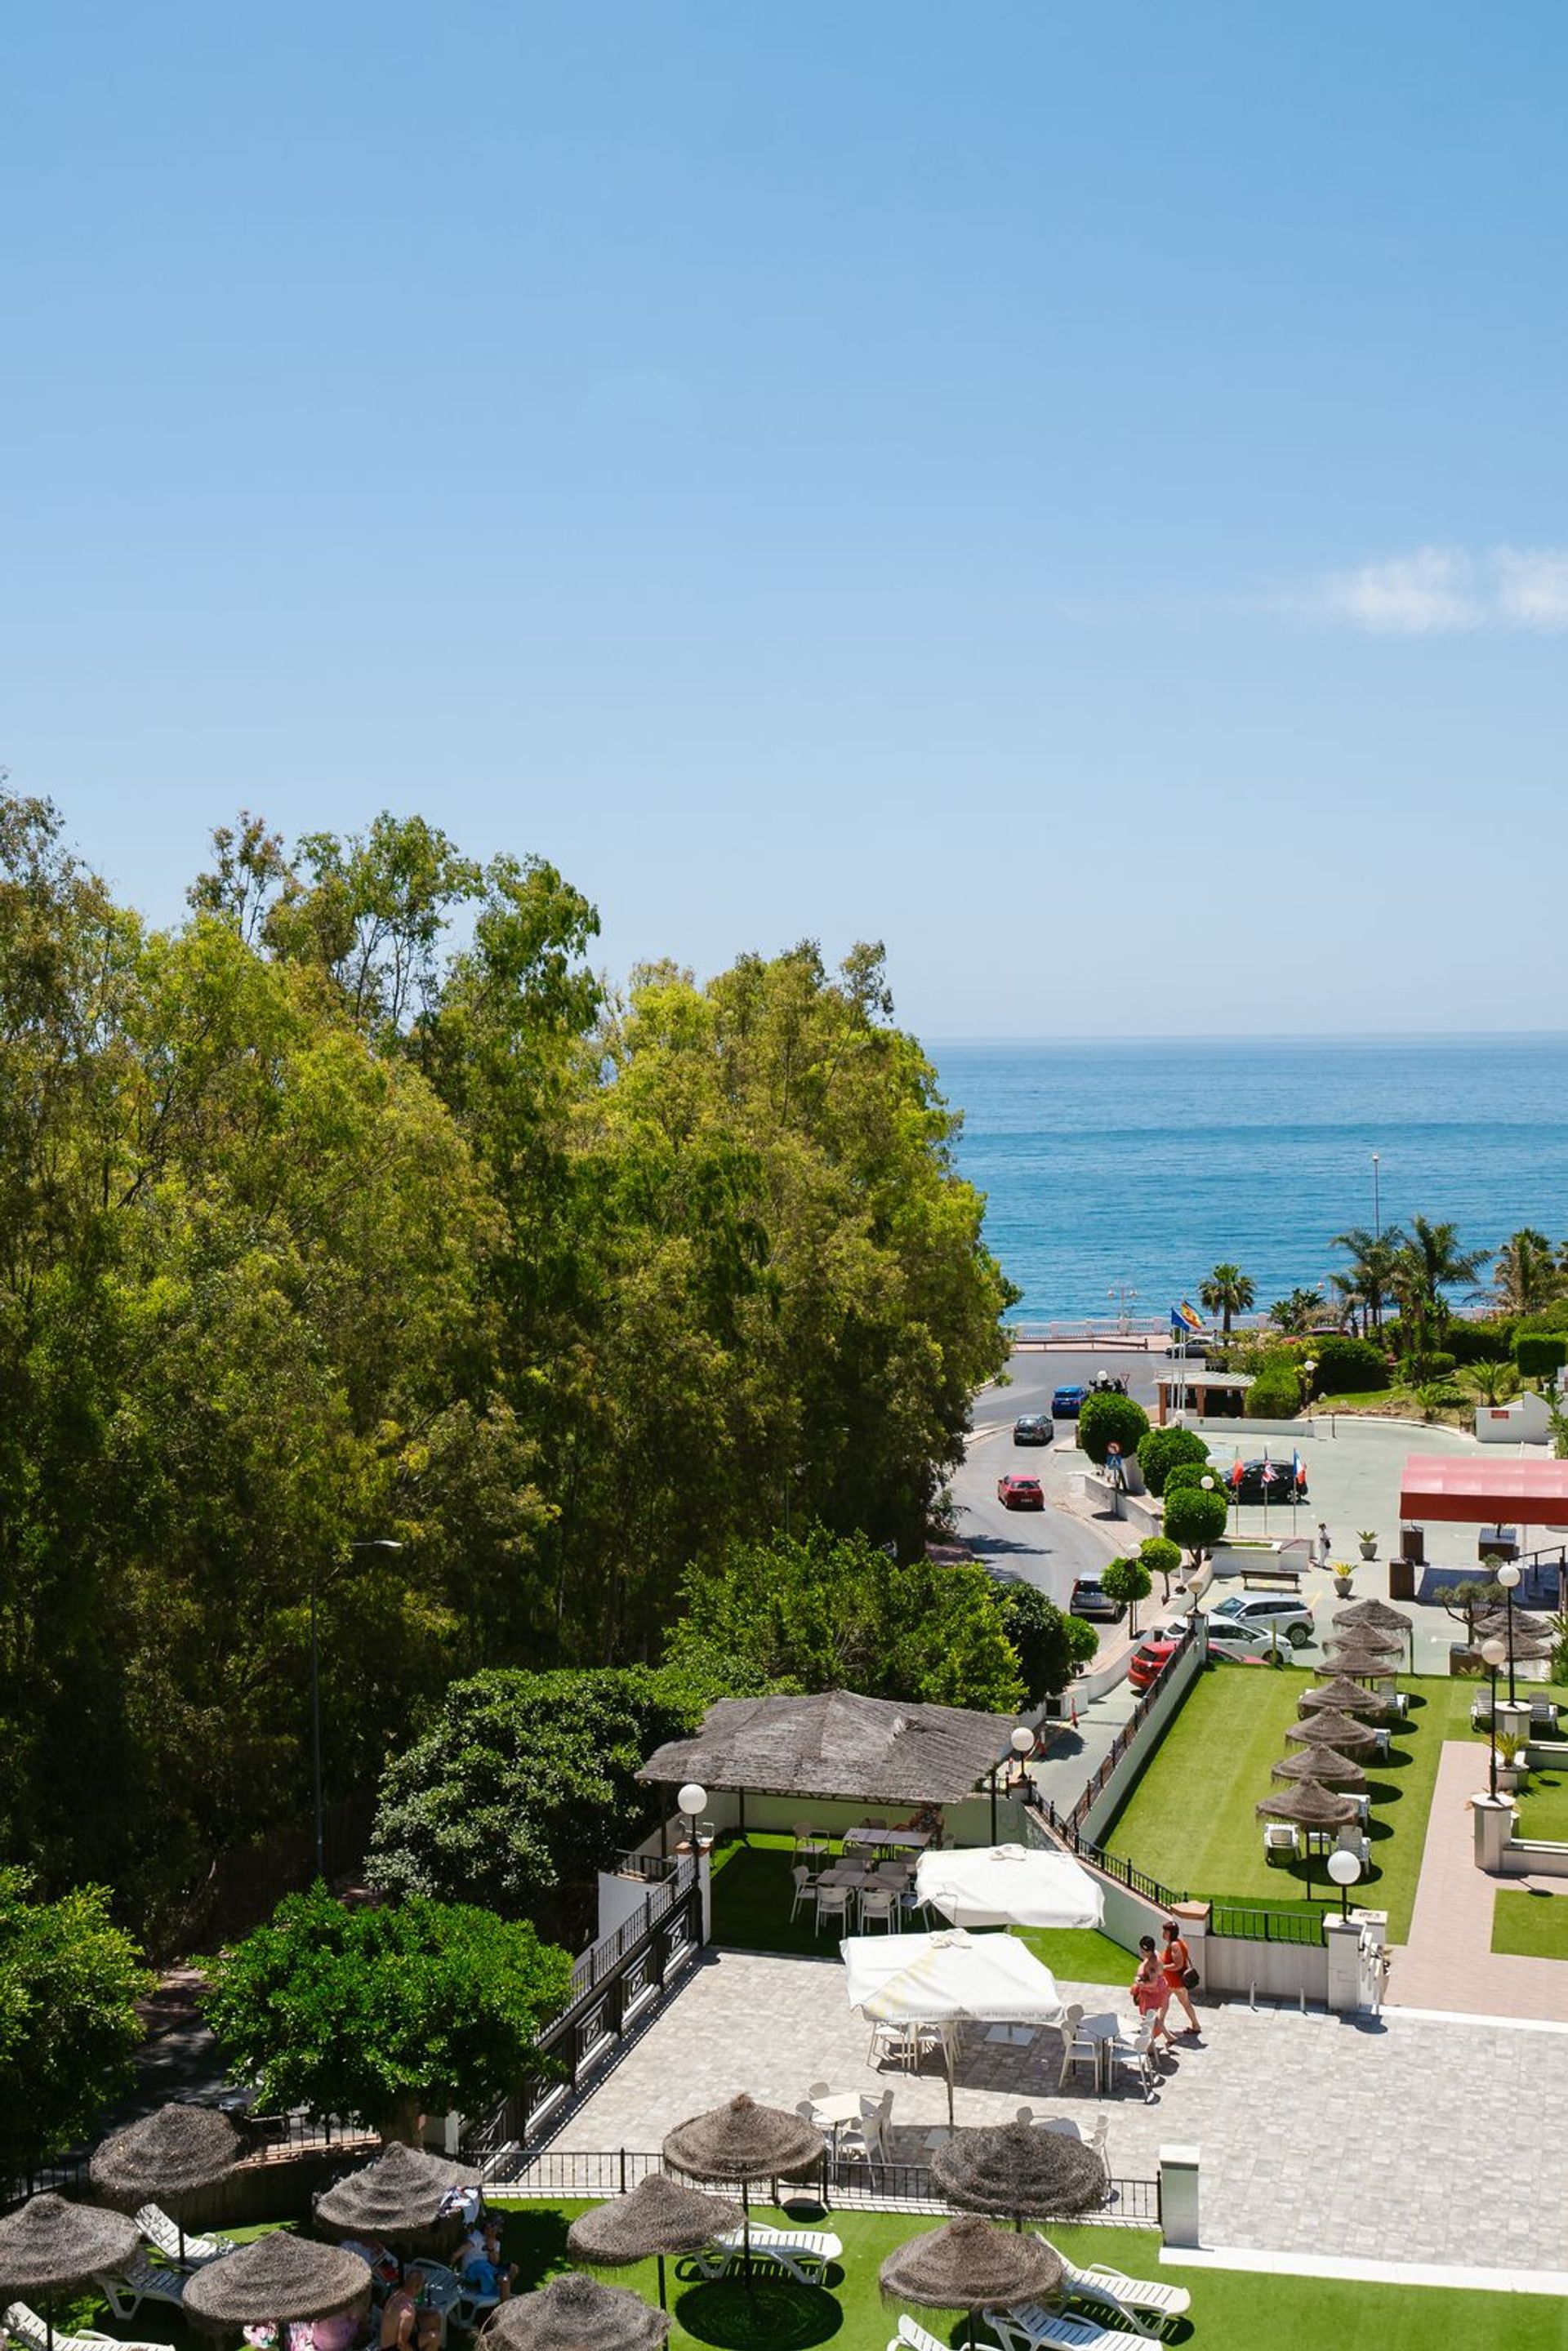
x=1090, y=1598
x=1276, y=1611
x=1016, y=1493
x=1033, y=1428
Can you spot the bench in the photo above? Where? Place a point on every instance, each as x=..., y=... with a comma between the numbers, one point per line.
x=1271, y=1579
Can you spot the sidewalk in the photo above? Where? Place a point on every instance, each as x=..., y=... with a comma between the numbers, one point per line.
x=1448, y=1962
x=1077, y=1748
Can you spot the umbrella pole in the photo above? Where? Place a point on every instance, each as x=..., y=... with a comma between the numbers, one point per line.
x=663, y=2303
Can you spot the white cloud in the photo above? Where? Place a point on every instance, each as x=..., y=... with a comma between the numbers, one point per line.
x=1446, y=591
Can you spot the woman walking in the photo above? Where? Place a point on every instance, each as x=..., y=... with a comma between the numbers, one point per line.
x=1175, y=1963
x=1151, y=1993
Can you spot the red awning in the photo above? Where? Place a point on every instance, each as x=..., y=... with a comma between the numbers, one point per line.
x=1485, y=1493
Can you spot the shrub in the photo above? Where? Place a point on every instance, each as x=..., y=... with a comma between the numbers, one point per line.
x=1349, y=1367
x=1276, y=1393
x=1161, y=1448
x=1049, y=1646
x=1539, y=1354
x=1195, y=1520
x=1107, y=1420
x=1127, y=1581
x=1420, y=1371
x=1190, y=1473
x=1551, y=1318
x=1480, y=1343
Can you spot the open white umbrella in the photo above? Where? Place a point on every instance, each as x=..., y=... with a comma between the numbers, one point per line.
x=1009, y=1885
x=949, y=1978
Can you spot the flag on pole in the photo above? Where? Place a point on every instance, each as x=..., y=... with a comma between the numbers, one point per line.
x=1185, y=1319
x=1298, y=1468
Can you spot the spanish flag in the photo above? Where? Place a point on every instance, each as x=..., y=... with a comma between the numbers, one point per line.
x=1183, y=1317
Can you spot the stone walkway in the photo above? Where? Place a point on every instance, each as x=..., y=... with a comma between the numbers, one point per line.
x=1320, y=2134
x=1448, y=1962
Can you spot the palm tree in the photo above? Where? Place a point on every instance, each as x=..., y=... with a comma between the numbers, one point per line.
x=1373, y=1260
x=1293, y=1315
x=1431, y=1264
x=1226, y=1291
x=1525, y=1278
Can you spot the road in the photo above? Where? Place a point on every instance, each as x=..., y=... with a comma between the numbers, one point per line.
x=1049, y=1547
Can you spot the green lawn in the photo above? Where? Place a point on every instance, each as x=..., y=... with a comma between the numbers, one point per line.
x=1190, y=1820
x=1543, y=1806
x=752, y=1891
x=1530, y=1926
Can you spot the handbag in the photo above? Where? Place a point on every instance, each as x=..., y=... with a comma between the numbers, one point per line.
x=1190, y=1978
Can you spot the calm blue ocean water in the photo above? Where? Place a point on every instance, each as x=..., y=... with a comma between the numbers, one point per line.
x=1106, y=1163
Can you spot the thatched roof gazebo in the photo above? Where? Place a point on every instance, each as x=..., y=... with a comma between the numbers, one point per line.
x=398, y=2195
x=1329, y=1728
x=659, y=2216
x=51, y=2245
x=1020, y=2172
x=577, y=2313
x=274, y=2278
x=743, y=2141
x=1342, y=1696
x=969, y=2265
x=1375, y=1617
x=1322, y=1764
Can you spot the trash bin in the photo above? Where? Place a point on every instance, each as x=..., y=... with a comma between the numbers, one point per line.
x=1402, y=1578
x=1413, y=1545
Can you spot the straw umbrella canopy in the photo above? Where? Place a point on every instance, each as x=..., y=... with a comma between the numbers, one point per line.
x=1375, y=1617
x=1020, y=2172
x=1362, y=1659
x=1322, y=1764
x=1308, y=1806
x=51, y=2245
x=396, y=2196
x=1532, y=1636
x=274, y=2278
x=660, y=2216
x=166, y=2157
x=1343, y=1696
x=969, y=2265
x=1329, y=1728
x=577, y=2313
x=743, y=2142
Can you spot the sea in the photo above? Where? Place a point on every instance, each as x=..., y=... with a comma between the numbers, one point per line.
x=1117, y=1173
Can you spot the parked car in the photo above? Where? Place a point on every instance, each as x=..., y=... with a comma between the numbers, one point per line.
x=1279, y=1611
x=1067, y=1402
x=1090, y=1598
x=1267, y=1482
x=1230, y=1637
x=1033, y=1428
x=1016, y=1493
x=1150, y=1658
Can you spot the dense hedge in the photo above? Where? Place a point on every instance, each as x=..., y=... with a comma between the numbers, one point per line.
x=1161, y=1448
x=1348, y=1366
x=1276, y=1393
x=1107, y=1420
x=1540, y=1353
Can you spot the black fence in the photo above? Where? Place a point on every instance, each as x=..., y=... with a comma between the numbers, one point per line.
x=1267, y=1926
x=603, y=1960
x=540, y=2172
x=1127, y=1734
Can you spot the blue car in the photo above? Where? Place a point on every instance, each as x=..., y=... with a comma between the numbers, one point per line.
x=1068, y=1402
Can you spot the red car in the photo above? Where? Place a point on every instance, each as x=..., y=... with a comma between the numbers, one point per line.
x=1016, y=1493
x=1150, y=1658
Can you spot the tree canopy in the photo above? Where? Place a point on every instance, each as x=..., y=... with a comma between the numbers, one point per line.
x=384, y=2014
x=1049, y=1645
x=69, y=1983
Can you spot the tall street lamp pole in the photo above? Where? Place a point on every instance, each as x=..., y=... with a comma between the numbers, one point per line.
x=375, y=1543
x=1491, y=1656
x=1377, y=1202
x=1508, y=1576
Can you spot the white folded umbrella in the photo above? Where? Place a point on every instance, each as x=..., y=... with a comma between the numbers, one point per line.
x=949, y=1978
x=1010, y=1886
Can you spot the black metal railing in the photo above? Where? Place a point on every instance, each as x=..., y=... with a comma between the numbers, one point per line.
x=604, y=1958
x=1265, y=1926
x=528, y=2172
x=1125, y=1737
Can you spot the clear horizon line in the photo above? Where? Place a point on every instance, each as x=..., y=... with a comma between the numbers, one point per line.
x=1257, y=1037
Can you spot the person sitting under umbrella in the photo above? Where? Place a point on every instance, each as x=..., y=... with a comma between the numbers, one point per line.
x=408, y=2324
x=478, y=2261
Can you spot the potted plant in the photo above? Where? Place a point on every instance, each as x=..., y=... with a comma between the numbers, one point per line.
x=1512, y=1758
x=1367, y=1539
x=1343, y=1576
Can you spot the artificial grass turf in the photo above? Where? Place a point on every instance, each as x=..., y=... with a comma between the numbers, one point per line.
x=1230, y=2308
x=1530, y=1926
x=752, y=1892
x=1190, y=1820
x=1543, y=1806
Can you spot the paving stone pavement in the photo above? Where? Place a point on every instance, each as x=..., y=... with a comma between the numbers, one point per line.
x=1448, y=1962
x=1358, y=2138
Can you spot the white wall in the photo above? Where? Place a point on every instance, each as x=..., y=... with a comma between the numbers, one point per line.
x=1524, y=1421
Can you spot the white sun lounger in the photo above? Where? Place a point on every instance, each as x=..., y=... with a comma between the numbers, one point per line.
x=1032, y=2327
x=804, y=2253
x=23, y=2325
x=142, y=2280
x=163, y=2235
x=1142, y=2303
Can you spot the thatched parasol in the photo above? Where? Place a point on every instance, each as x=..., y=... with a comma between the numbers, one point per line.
x=398, y=2195
x=1364, y=1660
x=1344, y=1697
x=1322, y=1764
x=969, y=2265
x=744, y=2141
x=1329, y=1728
x=1375, y=1617
x=659, y=2216
x=577, y=2313
x=1532, y=1636
x=51, y=2245
x=274, y=2278
x=167, y=2157
x=1308, y=1805
x=1020, y=2172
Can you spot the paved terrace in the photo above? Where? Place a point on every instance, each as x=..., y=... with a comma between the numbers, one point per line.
x=1320, y=2134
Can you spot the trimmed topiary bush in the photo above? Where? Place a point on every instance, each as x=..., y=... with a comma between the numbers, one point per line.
x=1480, y=1343
x=1107, y=1420
x=1276, y=1393
x=1190, y=1473
x=1540, y=1354
x=1162, y=1449
x=1195, y=1520
x=1348, y=1366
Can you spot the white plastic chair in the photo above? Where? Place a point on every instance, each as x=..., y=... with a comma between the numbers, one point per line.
x=1279, y=1839
x=1076, y=2049
x=805, y=1889
x=832, y=1902
x=1138, y=2056
x=879, y=1908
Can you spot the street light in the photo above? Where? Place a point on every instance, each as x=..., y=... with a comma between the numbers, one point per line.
x=692, y=1801
x=375, y=1542
x=1345, y=1868
x=1377, y=1202
x=1310, y=1367
x=1508, y=1576
x=1492, y=1653
x=1022, y=1741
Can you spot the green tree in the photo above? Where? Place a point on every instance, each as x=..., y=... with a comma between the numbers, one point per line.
x=1126, y=1581
x=1493, y=1383
x=823, y=1611
x=1526, y=1275
x=1293, y=1313
x=1226, y=1291
x=1196, y=1521
x=1107, y=1420
x=1049, y=1645
x=385, y=2013
x=1162, y=1557
x=69, y=1983
x=1430, y=1265
x=1375, y=1258
x=1160, y=1450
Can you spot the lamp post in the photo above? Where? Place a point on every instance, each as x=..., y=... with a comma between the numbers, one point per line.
x=1493, y=1653
x=691, y=1802
x=1377, y=1202
x=1508, y=1576
x=1345, y=1868
x=375, y=1542
x=1310, y=1368
x=1022, y=1744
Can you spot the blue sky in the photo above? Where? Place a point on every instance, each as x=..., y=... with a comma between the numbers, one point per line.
x=1075, y=492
